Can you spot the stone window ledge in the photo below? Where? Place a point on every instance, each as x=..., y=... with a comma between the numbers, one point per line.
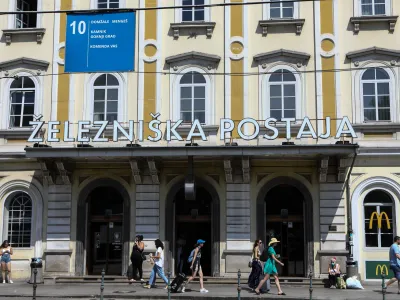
x=356, y=21
x=298, y=23
x=38, y=32
x=57, y=252
x=17, y=133
x=377, y=127
x=208, y=26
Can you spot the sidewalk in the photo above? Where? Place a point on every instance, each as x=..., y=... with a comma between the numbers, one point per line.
x=23, y=291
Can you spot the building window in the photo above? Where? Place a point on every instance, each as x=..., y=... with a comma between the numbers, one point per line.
x=20, y=221
x=379, y=223
x=376, y=95
x=282, y=94
x=281, y=9
x=26, y=20
x=193, y=14
x=22, y=102
x=373, y=7
x=107, y=3
x=106, y=96
x=192, y=88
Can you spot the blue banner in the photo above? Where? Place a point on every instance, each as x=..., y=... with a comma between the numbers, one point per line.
x=102, y=42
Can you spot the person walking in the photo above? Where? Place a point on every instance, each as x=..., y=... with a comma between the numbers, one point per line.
x=270, y=268
x=256, y=266
x=6, y=251
x=334, y=272
x=158, y=265
x=394, y=255
x=137, y=259
x=181, y=244
x=195, y=266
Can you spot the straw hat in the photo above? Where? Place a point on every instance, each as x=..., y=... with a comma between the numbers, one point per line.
x=273, y=241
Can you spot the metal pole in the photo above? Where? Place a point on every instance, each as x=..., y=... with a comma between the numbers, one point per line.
x=311, y=287
x=34, y=283
x=169, y=285
x=239, y=288
x=383, y=286
x=102, y=284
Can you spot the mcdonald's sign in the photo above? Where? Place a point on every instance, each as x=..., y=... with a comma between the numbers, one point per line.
x=379, y=219
x=374, y=269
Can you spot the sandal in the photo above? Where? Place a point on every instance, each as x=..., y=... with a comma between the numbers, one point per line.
x=257, y=293
x=282, y=294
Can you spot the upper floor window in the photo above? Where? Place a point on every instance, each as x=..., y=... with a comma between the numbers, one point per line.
x=282, y=94
x=376, y=95
x=281, y=9
x=193, y=14
x=192, y=89
x=373, y=7
x=26, y=20
x=106, y=95
x=22, y=102
x=20, y=220
x=378, y=219
x=107, y=3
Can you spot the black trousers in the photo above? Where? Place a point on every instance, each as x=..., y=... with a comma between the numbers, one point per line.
x=137, y=266
x=332, y=279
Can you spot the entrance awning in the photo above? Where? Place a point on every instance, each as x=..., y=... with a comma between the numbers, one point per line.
x=304, y=151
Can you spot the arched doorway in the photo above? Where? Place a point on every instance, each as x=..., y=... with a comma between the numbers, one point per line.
x=193, y=220
x=103, y=234
x=284, y=211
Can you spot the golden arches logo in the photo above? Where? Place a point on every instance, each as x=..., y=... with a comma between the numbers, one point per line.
x=379, y=219
x=381, y=268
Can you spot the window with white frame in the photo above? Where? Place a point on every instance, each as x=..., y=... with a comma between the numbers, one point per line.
x=23, y=19
x=22, y=102
x=282, y=94
x=192, y=89
x=106, y=96
x=193, y=14
x=378, y=219
x=375, y=84
x=373, y=7
x=19, y=220
x=107, y=3
x=279, y=9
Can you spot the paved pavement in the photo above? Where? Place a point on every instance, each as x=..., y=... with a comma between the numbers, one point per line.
x=23, y=291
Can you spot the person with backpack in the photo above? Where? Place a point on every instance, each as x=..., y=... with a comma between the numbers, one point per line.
x=195, y=266
x=269, y=256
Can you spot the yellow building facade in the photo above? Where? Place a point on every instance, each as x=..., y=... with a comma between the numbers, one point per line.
x=79, y=205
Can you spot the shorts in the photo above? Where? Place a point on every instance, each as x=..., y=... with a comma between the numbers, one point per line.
x=197, y=266
x=396, y=271
x=5, y=259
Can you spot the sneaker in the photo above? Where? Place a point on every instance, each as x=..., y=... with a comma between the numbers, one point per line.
x=166, y=288
x=10, y=281
x=333, y=287
x=147, y=286
x=142, y=280
x=203, y=291
x=4, y=281
x=183, y=290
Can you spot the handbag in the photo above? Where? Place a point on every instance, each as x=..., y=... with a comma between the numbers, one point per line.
x=251, y=262
x=143, y=256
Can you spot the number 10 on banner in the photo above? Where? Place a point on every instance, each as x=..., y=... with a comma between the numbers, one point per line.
x=81, y=27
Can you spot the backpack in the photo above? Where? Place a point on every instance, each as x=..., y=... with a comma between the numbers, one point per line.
x=264, y=255
x=190, y=259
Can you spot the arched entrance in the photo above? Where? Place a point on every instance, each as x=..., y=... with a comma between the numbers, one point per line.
x=193, y=220
x=103, y=229
x=284, y=211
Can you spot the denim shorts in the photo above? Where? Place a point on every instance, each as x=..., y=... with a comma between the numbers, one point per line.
x=5, y=259
x=396, y=271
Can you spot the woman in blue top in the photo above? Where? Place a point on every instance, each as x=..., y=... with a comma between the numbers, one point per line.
x=270, y=268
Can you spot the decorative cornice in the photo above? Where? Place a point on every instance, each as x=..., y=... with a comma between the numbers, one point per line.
x=38, y=32
x=373, y=51
x=208, y=26
x=356, y=21
x=210, y=58
x=29, y=63
x=298, y=23
x=301, y=56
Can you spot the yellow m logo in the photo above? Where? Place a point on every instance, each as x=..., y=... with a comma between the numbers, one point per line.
x=379, y=219
x=379, y=270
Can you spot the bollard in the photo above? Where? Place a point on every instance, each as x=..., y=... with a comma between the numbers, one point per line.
x=239, y=289
x=169, y=285
x=34, y=284
x=311, y=288
x=102, y=284
x=383, y=286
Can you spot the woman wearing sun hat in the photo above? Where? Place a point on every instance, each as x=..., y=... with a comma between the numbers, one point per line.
x=270, y=268
x=195, y=266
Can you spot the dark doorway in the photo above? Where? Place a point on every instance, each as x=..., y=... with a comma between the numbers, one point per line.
x=105, y=231
x=285, y=221
x=193, y=221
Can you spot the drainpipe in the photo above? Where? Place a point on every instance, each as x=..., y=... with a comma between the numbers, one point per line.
x=351, y=265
